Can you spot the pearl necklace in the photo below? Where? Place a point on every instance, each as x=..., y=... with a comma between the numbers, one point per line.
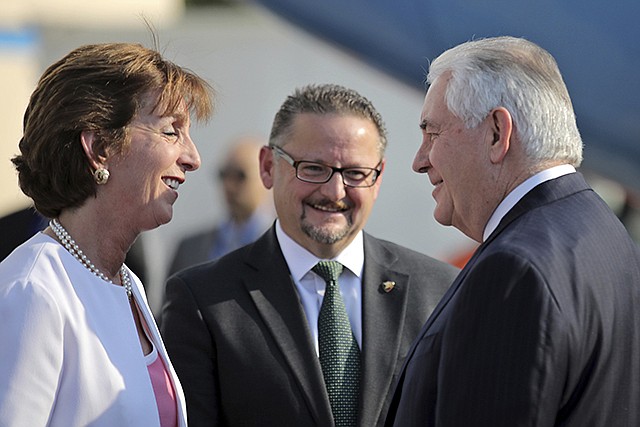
x=70, y=245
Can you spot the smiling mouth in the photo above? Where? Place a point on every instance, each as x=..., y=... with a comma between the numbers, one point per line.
x=171, y=183
x=436, y=187
x=334, y=208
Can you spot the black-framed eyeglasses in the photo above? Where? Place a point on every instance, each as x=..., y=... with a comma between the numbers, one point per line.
x=319, y=173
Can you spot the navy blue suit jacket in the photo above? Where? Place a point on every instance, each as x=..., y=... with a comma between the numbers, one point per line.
x=541, y=328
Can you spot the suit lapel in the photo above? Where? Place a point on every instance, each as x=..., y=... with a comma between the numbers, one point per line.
x=383, y=316
x=270, y=286
x=447, y=297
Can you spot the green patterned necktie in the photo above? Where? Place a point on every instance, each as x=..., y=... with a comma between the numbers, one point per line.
x=339, y=352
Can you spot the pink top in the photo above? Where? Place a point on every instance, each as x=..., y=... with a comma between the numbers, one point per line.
x=165, y=395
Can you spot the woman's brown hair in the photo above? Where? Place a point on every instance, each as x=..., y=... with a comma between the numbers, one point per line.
x=98, y=88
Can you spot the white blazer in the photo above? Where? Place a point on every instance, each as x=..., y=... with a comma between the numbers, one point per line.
x=69, y=349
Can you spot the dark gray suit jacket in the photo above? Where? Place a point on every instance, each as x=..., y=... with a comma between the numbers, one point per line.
x=239, y=340
x=541, y=327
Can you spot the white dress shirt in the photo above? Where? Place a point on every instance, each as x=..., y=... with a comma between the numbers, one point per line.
x=311, y=286
x=520, y=191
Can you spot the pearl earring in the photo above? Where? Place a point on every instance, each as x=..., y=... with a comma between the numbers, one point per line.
x=101, y=176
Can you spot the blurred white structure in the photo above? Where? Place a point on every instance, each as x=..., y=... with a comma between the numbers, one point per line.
x=90, y=14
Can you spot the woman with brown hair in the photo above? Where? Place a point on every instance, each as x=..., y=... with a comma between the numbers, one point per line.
x=106, y=146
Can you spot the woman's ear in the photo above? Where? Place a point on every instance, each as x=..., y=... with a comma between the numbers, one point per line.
x=88, y=139
x=502, y=128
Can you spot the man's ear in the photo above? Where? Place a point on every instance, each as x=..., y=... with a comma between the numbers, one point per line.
x=266, y=166
x=501, y=128
x=88, y=139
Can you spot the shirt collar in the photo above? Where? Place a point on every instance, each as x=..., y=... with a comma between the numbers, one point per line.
x=520, y=191
x=300, y=260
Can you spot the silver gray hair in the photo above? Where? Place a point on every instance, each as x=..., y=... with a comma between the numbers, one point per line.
x=520, y=76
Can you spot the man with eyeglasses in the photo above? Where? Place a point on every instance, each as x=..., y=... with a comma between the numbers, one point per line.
x=254, y=337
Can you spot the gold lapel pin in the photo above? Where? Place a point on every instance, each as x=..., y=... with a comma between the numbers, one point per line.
x=388, y=286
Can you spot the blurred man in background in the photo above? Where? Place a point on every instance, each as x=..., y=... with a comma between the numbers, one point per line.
x=249, y=209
